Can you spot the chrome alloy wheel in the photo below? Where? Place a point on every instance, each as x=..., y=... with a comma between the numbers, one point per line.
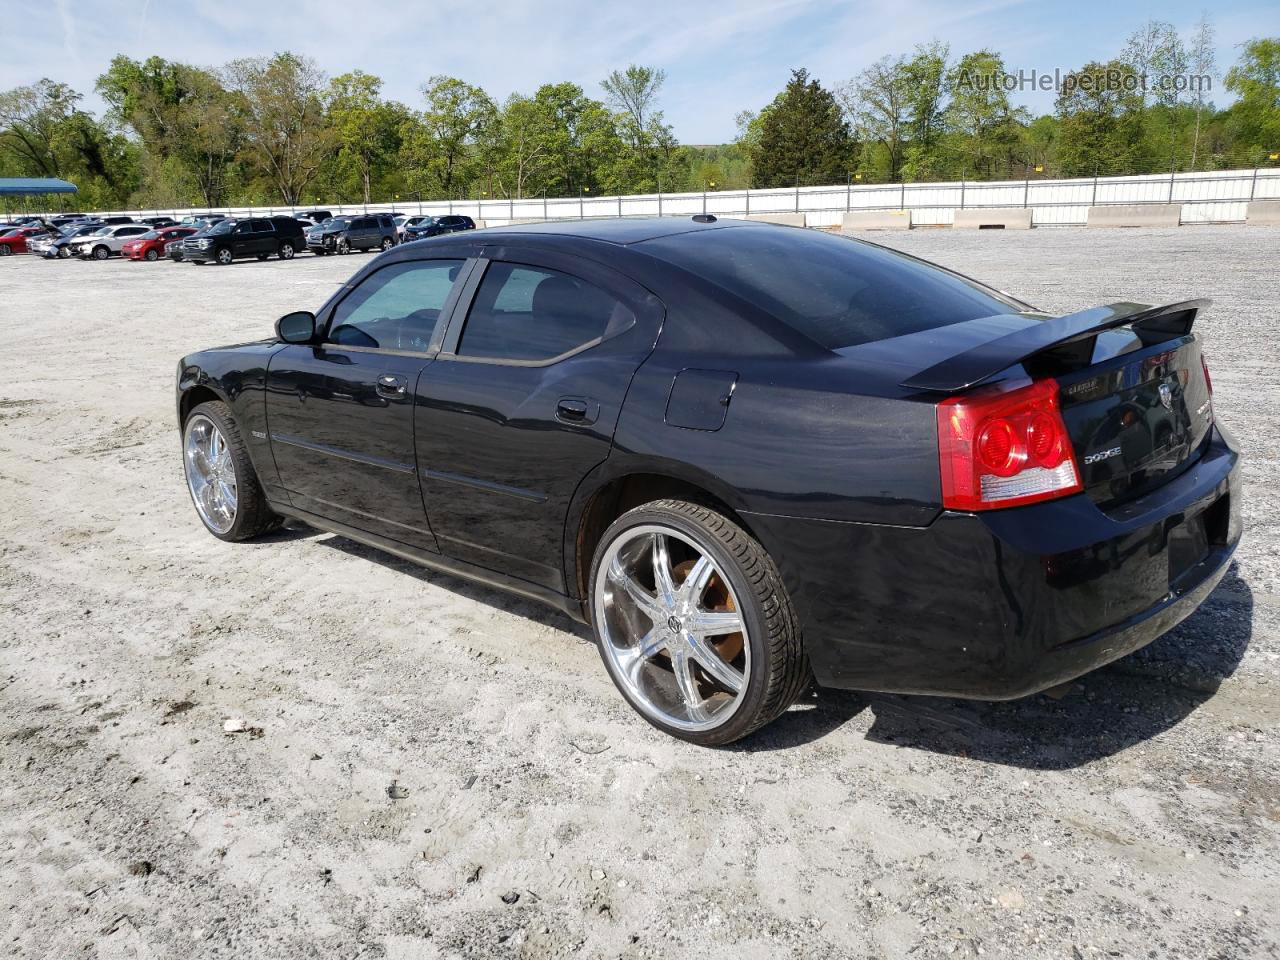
x=671, y=628
x=211, y=474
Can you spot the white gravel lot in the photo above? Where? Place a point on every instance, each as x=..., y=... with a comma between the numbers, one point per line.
x=1136, y=816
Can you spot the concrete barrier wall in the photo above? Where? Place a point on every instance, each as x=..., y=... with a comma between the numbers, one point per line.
x=1216, y=197
x=1136, y=215
x=1263, y=213
x=856, y=220
x=1007, y=218
x=786, y=219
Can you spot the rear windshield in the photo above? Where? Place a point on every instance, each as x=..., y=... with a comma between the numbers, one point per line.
x=836, y=291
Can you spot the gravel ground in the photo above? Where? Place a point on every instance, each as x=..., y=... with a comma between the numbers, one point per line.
x=434, y=769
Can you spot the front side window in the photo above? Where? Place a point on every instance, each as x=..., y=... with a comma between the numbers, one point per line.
x=534, y=314
x=396, y=308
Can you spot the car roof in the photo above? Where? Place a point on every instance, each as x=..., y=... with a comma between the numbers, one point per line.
x=621, y=231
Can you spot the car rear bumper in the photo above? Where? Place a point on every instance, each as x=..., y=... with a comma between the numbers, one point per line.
x=1003, y=604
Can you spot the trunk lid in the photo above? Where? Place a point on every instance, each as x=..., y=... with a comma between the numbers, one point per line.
x=1134, y=393
x=1138, y=419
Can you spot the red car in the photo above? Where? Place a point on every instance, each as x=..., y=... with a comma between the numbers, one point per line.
x=150, y=246
x=15, y=241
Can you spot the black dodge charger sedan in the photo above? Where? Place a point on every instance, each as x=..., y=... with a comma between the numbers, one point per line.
x=752, y=457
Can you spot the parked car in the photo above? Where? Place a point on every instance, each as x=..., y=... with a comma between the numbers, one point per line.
x=151, y=245
x=173, y=249
x=59, y=246
x=15, y=240
x=348, y=234
x=230, y=240
x=751, y=457
x=106, y=241
x=315, y=216
x=159, y=221
x=116, y=220
x=434, y=226
x=404, y=223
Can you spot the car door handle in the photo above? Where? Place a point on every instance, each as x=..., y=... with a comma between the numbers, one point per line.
x=392, y=386
x=577, y=410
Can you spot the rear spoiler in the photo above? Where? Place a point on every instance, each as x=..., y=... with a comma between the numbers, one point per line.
x=1066, y=340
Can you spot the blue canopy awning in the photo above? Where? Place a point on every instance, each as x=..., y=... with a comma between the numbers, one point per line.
x=23, y=186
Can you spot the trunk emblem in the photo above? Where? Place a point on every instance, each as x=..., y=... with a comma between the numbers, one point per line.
x=1166, y=396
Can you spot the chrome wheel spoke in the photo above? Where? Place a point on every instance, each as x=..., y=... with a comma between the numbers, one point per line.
x=662, y=580
x=695, y=584
x=714, y=623
x=721, y=672
x=650, y=645
x=642, y=598
x=683, y=671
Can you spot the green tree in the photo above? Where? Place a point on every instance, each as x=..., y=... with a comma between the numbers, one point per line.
x=440, y=143
x=985, y=127
x=366, y=128
x=1099, y=121
x=1255, y=80
x=183, y=118
x=879, y=102
x=803, y=137
x=281, y=105
x=926, y=74
x=652, y=147
x=33, y=125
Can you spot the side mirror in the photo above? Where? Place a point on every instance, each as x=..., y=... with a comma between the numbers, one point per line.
x=299, y=327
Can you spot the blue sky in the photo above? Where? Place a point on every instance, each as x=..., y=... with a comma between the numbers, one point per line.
x=720, y=57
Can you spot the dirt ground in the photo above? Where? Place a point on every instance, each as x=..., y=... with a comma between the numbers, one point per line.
x=434, y=769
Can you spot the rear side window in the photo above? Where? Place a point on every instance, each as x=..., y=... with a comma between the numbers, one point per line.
x=261, y=226
x=836, y=291
x=534, y=314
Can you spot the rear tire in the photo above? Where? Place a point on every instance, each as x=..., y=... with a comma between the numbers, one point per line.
x=5, y=250
x=249, y=515
x=286, y=251
x=678, y=664
x=387, y=244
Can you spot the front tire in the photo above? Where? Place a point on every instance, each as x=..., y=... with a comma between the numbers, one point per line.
x=224, y=256
x=694, y=624
x=152, y=256
x=101, y=253
x=220, y=477
x=344, y=246
x=64, y=253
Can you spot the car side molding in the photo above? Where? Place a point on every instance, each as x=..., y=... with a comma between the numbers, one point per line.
x=1064, y=342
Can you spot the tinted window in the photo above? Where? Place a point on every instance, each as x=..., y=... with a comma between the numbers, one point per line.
x=836, y=291
x=386, y=221
x=395, y=308
x=527, y=313
x=261, y=226
x=130, y=231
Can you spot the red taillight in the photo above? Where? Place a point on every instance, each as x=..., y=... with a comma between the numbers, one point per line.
x=1207, y=381
x=1005, y=448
